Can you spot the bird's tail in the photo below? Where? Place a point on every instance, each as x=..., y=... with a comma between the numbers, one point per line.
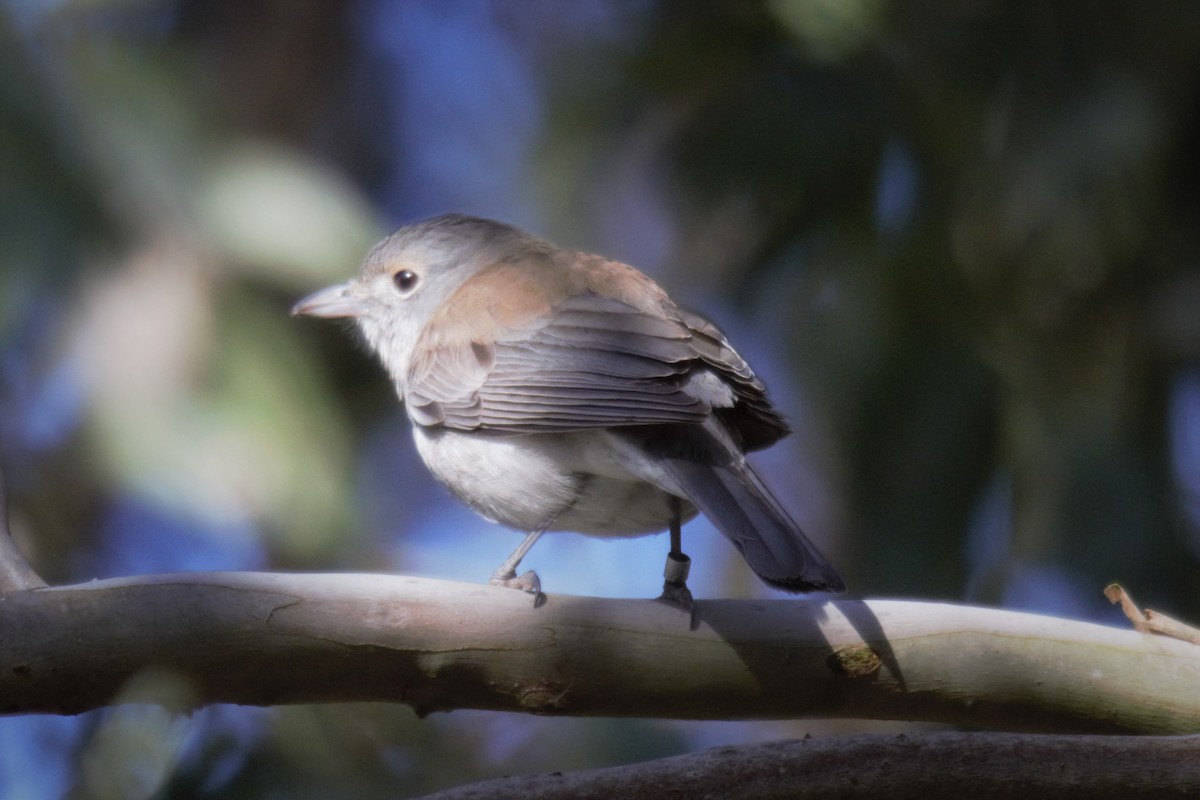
x=718, y=481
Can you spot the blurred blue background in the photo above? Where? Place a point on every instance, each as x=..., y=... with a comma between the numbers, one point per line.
x=958, y=240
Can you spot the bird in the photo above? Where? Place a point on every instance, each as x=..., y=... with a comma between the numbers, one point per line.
x=555, y=390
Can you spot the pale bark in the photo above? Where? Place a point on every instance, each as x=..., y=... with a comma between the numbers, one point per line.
x=15, y=572
x=263, y=639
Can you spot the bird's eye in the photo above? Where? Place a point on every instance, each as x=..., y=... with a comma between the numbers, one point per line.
x=405, y=280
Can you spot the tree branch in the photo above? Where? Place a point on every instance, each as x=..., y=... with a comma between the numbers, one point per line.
x=264, y=639
x=1150, y=621
x=929, y=766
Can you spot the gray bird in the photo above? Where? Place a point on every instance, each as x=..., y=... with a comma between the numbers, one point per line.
x=552, y=390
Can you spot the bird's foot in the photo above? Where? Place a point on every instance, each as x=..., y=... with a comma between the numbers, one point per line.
x=675, y=590
x=527, y=582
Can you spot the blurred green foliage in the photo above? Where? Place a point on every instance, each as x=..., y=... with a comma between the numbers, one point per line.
x=969, y=216
x=971, y=228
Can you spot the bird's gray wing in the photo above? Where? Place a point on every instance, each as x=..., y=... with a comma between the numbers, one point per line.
x=592, y=362
x=752, y=419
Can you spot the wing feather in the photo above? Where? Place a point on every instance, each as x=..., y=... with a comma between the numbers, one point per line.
x=592, y=361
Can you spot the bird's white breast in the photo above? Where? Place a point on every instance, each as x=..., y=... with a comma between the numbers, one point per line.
x=579, y=482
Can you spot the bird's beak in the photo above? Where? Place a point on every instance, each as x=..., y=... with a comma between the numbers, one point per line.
x=331, y=302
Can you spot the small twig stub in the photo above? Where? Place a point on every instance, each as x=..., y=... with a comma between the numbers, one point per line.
x=1150, y=621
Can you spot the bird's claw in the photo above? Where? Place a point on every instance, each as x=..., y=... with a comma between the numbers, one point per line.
x=675, y=590
x=527, y=582
x=677, y=593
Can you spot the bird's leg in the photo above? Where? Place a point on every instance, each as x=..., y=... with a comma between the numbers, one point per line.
x=675, y=573
x=506, y=573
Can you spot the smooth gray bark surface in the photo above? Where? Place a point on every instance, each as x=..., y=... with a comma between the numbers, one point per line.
x=265, y=639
